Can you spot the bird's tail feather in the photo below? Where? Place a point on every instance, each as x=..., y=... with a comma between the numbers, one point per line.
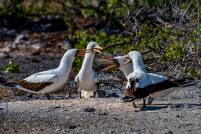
x=15, y=85
x=10, y=84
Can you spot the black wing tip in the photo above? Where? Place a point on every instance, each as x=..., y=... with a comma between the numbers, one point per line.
x=10, y=84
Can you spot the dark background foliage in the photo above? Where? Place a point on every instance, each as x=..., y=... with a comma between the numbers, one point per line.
x=167, y=32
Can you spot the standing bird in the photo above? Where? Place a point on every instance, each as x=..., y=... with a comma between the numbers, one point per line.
x=126, y=67
x=51, y=80
x=141, y=84
x=86, y=79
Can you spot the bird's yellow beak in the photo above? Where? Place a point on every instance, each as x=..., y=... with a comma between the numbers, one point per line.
x=81, y=52
x=95, y=49
x=98, y=49
x=128, y=60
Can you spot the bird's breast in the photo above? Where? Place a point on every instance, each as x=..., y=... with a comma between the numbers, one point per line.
x=86, y=83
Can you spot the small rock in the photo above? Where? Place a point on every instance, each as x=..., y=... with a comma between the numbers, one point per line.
x=57, y=107
x=72, y=126
x=169, y=132
x=36, y=46
x=58, y=130
x=54, y=107
x=6, y=49
x=21, y=38
x=89, y=109
x=104, y=113
x=66, y=45
x=178, y=116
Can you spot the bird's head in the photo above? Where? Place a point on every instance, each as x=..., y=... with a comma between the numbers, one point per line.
x=94, y=47
x=133, y=55
x=115, y=62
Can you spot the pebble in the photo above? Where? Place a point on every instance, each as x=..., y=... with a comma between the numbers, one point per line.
x=89, y=109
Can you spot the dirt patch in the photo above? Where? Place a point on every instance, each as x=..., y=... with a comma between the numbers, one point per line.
x=179, y=112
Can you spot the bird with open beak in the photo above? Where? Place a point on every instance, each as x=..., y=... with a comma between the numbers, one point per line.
x=48, y=81
x=124, y=64
x=142, y=85
x=120, y=62
x=86, y=79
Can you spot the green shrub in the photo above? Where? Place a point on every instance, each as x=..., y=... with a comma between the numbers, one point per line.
x=12, y=67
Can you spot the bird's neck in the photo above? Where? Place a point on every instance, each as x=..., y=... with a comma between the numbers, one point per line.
x=138, y=65
x=88, y=61
x=66, y=63
x=126, y=69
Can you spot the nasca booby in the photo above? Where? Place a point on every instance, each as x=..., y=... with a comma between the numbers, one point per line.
x=48, y=81
x=121, y=62
x=86, y=78
x=142, y=84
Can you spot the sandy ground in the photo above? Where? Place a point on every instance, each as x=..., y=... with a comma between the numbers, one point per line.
x=179, y=112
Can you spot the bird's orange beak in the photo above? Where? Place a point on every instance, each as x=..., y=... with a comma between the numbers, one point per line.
x=98, y=49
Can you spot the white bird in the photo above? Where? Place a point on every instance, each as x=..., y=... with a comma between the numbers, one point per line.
x=86, y=79
x=142, y=84
x=51, y=80
x=123, y=64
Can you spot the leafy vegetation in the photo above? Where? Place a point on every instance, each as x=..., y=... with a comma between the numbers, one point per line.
x=12, y=67
x=168, y=30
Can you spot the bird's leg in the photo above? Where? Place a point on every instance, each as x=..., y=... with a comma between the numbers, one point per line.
x=79, y=94
x=150, y=100
x=47, y=96
x=30, y=95
x=144, y=102
x=95, y=94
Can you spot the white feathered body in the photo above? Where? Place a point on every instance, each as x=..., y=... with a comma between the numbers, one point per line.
x=57, y=77
x=86, y=80
x=145, y=79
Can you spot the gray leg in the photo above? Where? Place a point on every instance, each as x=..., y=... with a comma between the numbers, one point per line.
x=134, y=105
x=95, y=93
x=144, y=102
x=79, y=96
x=150, y=100
x=47, y=96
